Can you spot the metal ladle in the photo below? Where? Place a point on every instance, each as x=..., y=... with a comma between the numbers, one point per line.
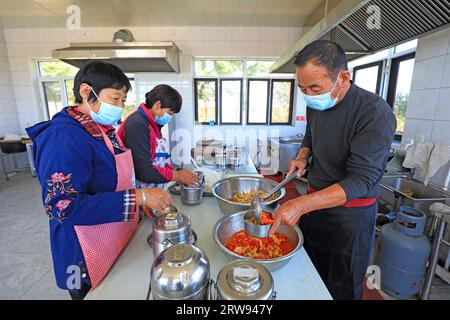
x=256, y=206
x=262, y=231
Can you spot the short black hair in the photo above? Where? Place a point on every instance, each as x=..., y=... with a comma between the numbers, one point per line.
x=168, y=96
x=99, y=75
x=323, y=53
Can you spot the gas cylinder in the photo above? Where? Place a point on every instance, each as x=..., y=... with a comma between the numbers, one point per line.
x=402, y=253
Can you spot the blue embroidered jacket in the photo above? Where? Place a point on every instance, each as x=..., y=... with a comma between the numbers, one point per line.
x=78, y=177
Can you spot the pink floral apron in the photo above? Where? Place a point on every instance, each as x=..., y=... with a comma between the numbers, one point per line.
x=101, y=244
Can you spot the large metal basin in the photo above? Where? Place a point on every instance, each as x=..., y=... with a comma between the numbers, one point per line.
x=229, y=187
x=421, y=198
x=229, y=225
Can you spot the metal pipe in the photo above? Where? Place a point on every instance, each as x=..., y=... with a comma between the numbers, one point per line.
x=433, y=259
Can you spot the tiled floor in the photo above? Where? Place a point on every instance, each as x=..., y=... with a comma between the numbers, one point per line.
x=25, y=261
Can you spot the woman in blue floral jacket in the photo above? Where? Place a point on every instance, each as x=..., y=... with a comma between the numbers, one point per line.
x=76, y=156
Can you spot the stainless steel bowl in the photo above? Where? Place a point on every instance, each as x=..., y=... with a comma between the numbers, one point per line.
x=229, y=225
x=229, y=187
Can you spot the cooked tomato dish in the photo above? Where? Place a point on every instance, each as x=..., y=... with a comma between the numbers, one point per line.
x=259, y=248
x=265, y=219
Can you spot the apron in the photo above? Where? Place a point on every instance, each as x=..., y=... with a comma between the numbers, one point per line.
x=101, y=244
x=162, y=157
x=339, y=242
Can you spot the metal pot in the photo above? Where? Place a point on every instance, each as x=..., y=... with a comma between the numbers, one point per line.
x=180, y=273
x=193, y=194
x=171, y=229
x=244, y=280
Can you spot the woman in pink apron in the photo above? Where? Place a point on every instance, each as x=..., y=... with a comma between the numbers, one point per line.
x=141, y=132
x=87, y=179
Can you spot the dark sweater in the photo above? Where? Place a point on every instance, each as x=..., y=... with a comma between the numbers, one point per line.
x=350, y=143
x=137, y=138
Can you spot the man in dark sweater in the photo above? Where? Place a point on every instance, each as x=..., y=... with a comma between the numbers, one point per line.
x=347, y=141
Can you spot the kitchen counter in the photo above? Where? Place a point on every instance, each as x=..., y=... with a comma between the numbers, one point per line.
x=130, y=276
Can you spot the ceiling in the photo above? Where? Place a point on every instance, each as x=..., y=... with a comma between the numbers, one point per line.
x=401, y=21
x=113, y=13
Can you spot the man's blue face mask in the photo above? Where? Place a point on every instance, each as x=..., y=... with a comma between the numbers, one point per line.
x=324, y=101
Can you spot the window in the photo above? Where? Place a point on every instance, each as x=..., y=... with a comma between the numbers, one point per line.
x=369, y=76
x=282, y=93
x=57, y=79
x=53, y=100
x=231, y=101
x=205, y=100
x=399, y=87
x=258, y=102
x=224, y=88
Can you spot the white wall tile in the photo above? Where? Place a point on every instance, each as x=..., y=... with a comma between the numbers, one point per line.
x=443, y=106
x=295, y=34
x=190, y=33
x=194, y=48
x=162, y=33
x=414, y=126
x=274, y=34
x=422, y=104
x=428, y=73
x=273, y=49
x=433, y=45
x=246, y=33
x=218, y=33
x=21, y=78
x=446, y=78
x=245, y=48
x=218, y=48
x=441, y=132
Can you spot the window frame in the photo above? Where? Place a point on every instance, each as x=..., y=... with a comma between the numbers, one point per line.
x=380, y=65
x=216, y=98
x=291, y=104
x=244, y=92
x=241, y=104
x=267, y=104
x=393, y=76
x=393, y=79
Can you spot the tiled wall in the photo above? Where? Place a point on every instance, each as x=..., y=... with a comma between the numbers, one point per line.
x=9, y=121
x=428, y=111
x=24, y=45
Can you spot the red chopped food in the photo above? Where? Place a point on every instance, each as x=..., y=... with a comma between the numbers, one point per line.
x=259, y=248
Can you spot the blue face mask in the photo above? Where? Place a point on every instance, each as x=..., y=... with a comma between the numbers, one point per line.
x=107, y=115
x=322, y=102
x=164, y=119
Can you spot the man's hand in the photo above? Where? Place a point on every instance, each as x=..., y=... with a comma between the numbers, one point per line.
x=186, y=177
x=289, y=213
x=297, y=164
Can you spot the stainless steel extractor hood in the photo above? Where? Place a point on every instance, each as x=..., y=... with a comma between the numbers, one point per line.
x=129, y=55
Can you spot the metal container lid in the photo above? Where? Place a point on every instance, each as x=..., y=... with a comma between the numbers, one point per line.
x=179, y=272
x=171, y=226
x=245, y=280
x=170, y=209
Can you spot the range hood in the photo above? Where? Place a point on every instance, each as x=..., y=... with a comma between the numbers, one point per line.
x=124, y=52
